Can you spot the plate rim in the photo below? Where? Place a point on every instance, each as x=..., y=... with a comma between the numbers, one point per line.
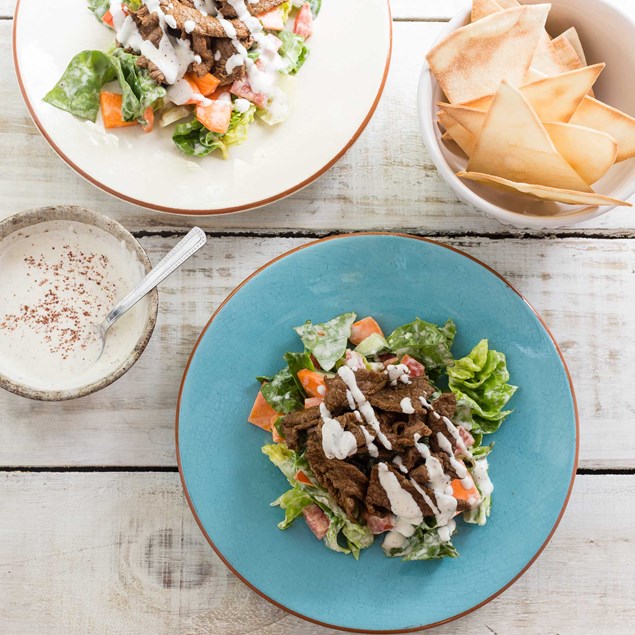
x=200, y=212
x=327, y=624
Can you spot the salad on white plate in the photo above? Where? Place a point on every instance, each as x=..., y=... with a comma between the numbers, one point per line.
x=207, y=67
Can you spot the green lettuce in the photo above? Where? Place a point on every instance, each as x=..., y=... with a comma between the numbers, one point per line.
x=424, y=544
x=426, y=342
x=298, y=362
x=239, y=127
x=78, y=90
x=327, y=341
x=478, y=515
x=99, y=7
x=480, y=383
x=283, y=393
x=194, y=139
x=138, y=89
x=293, y=51
x=293, y=501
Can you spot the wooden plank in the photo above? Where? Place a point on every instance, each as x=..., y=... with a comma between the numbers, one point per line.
x=583, y=288
x=121, y=553
x=386, y=181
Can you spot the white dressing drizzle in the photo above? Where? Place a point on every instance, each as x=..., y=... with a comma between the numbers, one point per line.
x=398, y=372
x=337, y=443
x=406, y=406
x=453, y=430
x=446, y=446
x=402, y=503
x=363, y=405
x=372, y=448
x=351, y=401
x=439, y=483
x=481, y=477
x=398, y=461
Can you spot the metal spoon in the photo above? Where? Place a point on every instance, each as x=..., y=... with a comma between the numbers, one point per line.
x=185, y=248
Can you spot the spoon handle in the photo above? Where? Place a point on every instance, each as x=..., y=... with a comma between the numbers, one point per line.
x=185, y=248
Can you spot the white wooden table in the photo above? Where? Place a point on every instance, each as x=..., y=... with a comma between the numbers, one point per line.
x=95, y=534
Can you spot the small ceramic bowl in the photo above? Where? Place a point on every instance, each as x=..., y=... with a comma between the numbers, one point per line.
x=33, y=217
x=607, y=35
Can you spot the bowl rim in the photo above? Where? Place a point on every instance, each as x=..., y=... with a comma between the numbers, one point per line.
x=214, y=211
x=353, y=236
x=426, y=86
x=36, y=216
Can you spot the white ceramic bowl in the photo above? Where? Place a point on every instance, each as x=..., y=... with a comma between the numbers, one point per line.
x=607, y=36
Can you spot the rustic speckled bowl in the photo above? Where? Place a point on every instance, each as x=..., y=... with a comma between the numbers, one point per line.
x=28, y=218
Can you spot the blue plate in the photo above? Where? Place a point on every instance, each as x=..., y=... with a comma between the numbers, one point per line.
x=229, y=483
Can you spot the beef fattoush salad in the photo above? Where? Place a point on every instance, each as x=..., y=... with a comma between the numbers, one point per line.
x=372, y=443
x=209, y=66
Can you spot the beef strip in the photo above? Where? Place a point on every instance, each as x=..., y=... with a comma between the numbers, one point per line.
x=204, y=24
x=149, y=25
x=377, y=501
x=227, y=11
x=401, y=434
x=390, y=397
x=202, y=46
x=345, y=482
x=156, y=74
x=296, y=425
x=225, y=50
x=444, y=406
x=368, y=381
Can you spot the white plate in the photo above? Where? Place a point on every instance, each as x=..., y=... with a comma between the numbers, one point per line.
x=336, y=93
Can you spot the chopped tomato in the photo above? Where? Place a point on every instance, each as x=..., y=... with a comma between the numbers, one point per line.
x=468, y=494
x=311, y=402
x=317, y=520
x=379, y=525
x=241, y=88
x=417, y=369
x=303, y=25
x=363, y=328
x=111, y=110
x=148, y=115
x=468, y=439
x=215, y=115
x=262, y=414
x=301, y=477
x=313, y=383
x=107, y=19
x=272, y=20
x=206, y=85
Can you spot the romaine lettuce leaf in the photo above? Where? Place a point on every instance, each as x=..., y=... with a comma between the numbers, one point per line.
x=283, y=458
x=194, y=139
x=293, y=501
x=426, y=342
x=327, y=341
x=293, y=51
x=138, y=89
x=282, y=392
x=424, y=544
x=78, y=90
x=480, y=383
x=99, y=7
x=478, y=515
x=239, y=127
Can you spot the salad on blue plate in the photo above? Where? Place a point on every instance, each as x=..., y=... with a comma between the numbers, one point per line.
x=208, y=66
x=384, y=435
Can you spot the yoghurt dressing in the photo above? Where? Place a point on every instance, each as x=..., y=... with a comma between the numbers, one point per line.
x=57, y=280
